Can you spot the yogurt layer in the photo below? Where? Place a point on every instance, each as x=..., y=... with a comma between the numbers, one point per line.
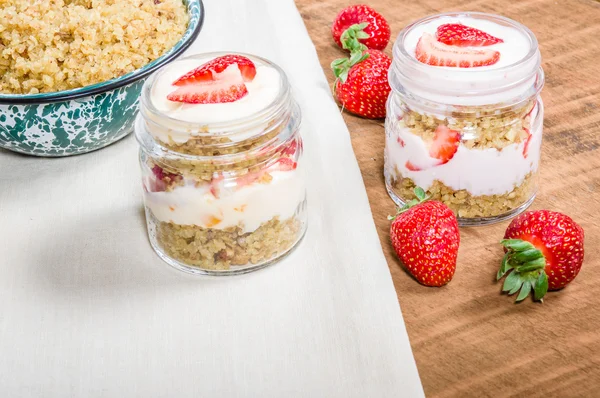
x=479, y=171
x=247, y=207
x=262, y=91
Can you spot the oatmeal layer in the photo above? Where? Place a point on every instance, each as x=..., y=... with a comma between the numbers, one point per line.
x=213, y=249
x=480, y=128
x=466, y=205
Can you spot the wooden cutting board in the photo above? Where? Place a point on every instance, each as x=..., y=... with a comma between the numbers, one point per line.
x=468, y=339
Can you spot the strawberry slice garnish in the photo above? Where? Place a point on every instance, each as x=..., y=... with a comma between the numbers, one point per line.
x=210, y=70
x=445, y=144
x=217, y=81
x=456, y=34
x=209, y=93
x=431, y=52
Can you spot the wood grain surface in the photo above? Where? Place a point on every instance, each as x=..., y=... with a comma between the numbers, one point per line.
x=468, y=339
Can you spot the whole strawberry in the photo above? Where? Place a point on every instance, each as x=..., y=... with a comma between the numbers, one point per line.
x=544, y=251
x=360, y=24
x=425, y=236
x=362, y=83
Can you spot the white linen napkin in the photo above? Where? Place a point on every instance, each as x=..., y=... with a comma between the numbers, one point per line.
x=88, y=310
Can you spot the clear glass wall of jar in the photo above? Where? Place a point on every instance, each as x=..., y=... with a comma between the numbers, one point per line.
x=483, y=123
x=228, y=197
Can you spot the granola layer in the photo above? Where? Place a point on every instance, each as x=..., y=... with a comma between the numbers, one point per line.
x=214, y=249
x=480, y=128
x=466, y=205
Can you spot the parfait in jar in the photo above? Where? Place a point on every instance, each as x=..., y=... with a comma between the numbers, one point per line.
x=221, y=158
x=464, y=118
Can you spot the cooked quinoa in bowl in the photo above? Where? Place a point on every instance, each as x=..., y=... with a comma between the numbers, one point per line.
x=56, y=45
x=71, y=71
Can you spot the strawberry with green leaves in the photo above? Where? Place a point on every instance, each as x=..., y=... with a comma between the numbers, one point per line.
x=544, y=251
x=361, y=84
x=425, y=237
x=359, y=27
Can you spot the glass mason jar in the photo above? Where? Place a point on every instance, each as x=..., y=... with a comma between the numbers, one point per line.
x=470, y=137
x=222, y=196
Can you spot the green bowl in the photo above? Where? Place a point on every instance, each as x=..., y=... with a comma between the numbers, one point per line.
x=84, y=119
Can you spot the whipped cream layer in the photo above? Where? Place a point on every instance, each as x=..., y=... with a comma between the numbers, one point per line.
x=247, y=206
x=515, y=47
x=479, y=171
x=262, y=92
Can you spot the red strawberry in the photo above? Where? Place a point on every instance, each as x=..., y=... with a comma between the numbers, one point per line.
x=401, y=142
x=214, y=185
x=291, y=148
x=527, y=141
x=162, y=179
x=456, y=34
x=425, y=237
x=359, y=27
x=445, y=144
x=431, y=52
x=411, y=166
x=286, y=164
x=362, y=86
x=209, y=71
x=544, y=251
x=216, y=92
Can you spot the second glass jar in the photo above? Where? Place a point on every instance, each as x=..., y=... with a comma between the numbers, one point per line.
x=470, y=137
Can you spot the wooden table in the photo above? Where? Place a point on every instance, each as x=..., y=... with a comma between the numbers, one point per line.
x=468, y=339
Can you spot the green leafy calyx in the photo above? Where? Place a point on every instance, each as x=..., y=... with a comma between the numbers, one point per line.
x=421, y=197
x=349, y=39
x=524, y=264
x=351, y=36
x=341, y=66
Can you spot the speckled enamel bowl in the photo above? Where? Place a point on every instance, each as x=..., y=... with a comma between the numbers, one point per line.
x=81, y=120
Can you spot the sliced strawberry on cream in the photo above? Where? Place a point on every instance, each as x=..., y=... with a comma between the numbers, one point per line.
x=218, y=81
x=431, y=52
x=445, y=144
x=429, y=154
x=210, y=71
x=457, y=34
x=228, y=86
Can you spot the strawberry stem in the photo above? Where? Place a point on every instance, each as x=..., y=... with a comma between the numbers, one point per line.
x=421, y=197
x=525, y=266
x=341, y=66
x=350, y=37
